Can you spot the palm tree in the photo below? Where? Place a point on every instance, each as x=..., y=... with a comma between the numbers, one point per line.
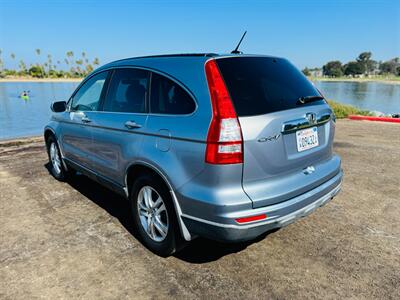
x=22, y=67
x=79, y=62
x=49, y=62
x=1, y=61
x=89, y=68
x=70, y=56
x=84, y=59
x=12, y=55
x=38, y=51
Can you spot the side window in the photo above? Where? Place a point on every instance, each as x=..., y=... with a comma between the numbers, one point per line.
x=167, y=97
x=127, y=92
x=88, y=96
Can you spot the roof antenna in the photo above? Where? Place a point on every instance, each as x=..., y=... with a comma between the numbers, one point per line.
x=236, y=51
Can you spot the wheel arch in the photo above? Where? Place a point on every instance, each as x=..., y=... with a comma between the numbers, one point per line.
x=47, y=133
x=134, y=169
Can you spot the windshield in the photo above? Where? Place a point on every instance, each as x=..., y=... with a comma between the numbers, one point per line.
x=260, y=85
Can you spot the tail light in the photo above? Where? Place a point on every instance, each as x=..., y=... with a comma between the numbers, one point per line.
x=224, y=140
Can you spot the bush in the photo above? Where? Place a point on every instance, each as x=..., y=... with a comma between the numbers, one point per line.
x=306, y=71
x=354, y=68
x=344, y=110
x=37, y=71
x=9, y=72
x=333, y=69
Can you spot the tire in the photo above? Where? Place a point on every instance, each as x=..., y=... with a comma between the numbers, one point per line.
x=161, y=240
x=57, y=167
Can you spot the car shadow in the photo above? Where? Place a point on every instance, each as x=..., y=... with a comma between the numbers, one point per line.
x=203, y=250
x=116, y=205
x=198, y=251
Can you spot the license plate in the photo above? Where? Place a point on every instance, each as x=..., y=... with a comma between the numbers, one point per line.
x=307, y=138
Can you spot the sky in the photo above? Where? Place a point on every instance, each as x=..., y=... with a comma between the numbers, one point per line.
x=309, y=33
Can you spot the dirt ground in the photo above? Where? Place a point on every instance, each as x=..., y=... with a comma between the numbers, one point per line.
x=74, y=240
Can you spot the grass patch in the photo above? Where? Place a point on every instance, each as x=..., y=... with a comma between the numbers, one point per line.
x=344, y=110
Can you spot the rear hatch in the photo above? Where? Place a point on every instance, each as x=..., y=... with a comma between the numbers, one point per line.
x=287, y=128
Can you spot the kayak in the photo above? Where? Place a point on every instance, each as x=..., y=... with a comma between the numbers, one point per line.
x=370, y=118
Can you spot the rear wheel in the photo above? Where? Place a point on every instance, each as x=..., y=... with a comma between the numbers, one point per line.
x=57, y=168
x=154, y=215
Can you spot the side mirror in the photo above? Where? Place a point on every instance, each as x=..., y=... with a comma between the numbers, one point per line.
x=58, y=106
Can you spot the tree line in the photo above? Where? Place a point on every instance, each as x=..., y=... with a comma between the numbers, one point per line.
x=80, y=66
x=364, y=65
x=72, y=66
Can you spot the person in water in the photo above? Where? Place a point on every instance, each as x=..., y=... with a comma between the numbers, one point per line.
x=25, y=95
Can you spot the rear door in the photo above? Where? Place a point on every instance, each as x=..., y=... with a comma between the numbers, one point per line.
x=285, y=140
x=120, y=125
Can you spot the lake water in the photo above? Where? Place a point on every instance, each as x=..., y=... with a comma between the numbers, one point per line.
x=20, y=117
x=383, y=97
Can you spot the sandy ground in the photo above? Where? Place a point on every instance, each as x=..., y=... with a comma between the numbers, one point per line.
x=74, y=240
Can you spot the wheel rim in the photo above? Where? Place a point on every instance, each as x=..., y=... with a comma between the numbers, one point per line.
x=152, y=213
x=55, y=158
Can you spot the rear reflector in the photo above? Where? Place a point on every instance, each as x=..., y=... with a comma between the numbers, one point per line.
x=224, y=140
x=251, y=219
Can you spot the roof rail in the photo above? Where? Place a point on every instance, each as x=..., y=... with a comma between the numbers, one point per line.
x=172, y=55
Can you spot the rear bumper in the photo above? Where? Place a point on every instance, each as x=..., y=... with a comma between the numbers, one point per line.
x=278, y=215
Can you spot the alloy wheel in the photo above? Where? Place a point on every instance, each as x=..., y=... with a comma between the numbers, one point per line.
x=55, y=158
x=152, y=213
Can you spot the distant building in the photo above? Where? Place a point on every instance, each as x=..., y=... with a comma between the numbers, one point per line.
x=316, y=72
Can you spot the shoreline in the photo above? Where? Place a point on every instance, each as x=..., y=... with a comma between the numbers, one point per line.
x=22, y=79
x=358, y=80
x=17, y=141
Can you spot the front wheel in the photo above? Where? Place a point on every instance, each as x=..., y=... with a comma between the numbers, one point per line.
x=154, y=215
x=57, y=168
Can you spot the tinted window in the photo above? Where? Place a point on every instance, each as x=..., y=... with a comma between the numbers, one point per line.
x=88, y=96
x=167, y=97
x=127, y=91
x=260, y=85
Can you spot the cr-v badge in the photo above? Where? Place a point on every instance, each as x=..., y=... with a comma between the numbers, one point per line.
x=269, y=138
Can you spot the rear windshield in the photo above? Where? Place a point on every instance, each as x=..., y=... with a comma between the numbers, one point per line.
x=260, y=85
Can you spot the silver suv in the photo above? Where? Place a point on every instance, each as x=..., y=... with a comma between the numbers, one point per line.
x=226, y=147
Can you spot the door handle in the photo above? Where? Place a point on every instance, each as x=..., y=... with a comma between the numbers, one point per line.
x=86, y=119
x=132, y=125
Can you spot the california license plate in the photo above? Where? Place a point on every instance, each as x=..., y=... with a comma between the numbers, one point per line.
x=307, y=138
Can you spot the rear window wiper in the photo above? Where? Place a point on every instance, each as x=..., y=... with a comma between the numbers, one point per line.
x=308, y=99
